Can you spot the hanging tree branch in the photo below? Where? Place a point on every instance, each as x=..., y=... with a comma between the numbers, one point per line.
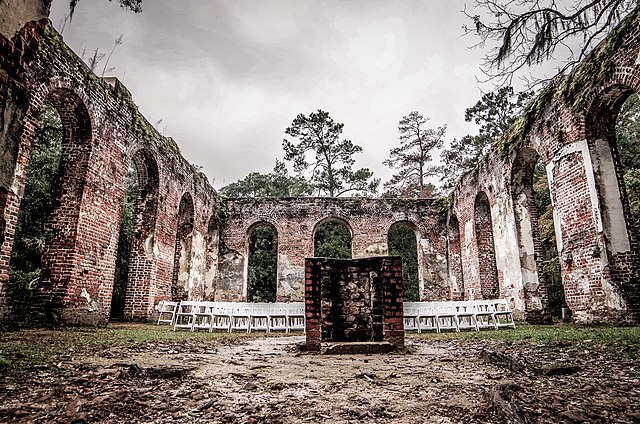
x=522, y=33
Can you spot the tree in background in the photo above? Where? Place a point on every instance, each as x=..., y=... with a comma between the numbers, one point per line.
x=495, y=112
x=402, y=242
x=32, y=232
x=125, y=237
x=332, y=239
x=524, y=33
x=277, y=183
x=412, y=158
x=262, y=265
x=627, y=137
x=328, y=159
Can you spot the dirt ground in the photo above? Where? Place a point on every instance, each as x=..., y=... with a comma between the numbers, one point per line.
x=267, y=380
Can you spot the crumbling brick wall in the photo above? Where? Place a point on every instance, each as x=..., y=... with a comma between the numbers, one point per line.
x=358, y=300
x=103, y=134
x=571, y=127
x=295, y=220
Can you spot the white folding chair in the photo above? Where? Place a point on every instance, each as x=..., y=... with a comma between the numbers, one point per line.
x=446, y=316
x=295, y=317
x=502, y=314
x=427, y=317
x=185, y=314
x=484, y=313
x=278, y=317
x=465, y=316
x=203, y=316
x=221, y=316
x=240, y=317
x=167, y=312
x=259, y=317
x=410, y=316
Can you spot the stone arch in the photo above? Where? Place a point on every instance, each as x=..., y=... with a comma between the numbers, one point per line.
x=536, y=300
x=141, y=272
x=616, y=226
x=261, y=282
x=182, y=257
x=487, y=269
x=408, y=250
x=454, y=250
x=333, y=220
x=60, y=253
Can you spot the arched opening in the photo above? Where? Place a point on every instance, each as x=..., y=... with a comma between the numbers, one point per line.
x=332, y=239
x=211, y=266
x=612, y=131
x=487, y=270
x=32, y=231
x=262, y=273
x=402, y=241
x=182, y=256
x=455, y=258
x=532, y=203
x=141, y=202
x=124, y=245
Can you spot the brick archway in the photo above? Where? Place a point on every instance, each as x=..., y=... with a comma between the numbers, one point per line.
x=487, y=269
x=141, y=278
x=182, y=256
x=535, y=290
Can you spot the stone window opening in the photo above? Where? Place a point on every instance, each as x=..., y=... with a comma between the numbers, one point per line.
x=262, y=264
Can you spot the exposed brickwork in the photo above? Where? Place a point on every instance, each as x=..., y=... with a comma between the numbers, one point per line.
x=489, y=248
x=295, y=221
x=103, y=135
x=358, y=300
x=574, y=136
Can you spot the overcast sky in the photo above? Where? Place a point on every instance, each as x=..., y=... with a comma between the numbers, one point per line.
x=227, y=77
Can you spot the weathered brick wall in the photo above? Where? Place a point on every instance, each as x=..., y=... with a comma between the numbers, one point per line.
x=295, y=220
x=357, y=300
x=103, y=134
x=570, y=126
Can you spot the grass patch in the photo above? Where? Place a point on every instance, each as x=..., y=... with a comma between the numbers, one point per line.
x=39, y=347
x=617, y=339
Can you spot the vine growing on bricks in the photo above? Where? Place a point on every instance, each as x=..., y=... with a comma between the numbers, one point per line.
x=31, y=235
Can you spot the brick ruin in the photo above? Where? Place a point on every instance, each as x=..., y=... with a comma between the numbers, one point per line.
x=351, y=301
x=191, y=244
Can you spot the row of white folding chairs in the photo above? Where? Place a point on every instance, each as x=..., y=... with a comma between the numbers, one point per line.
x=233, y=316
x=457, y=315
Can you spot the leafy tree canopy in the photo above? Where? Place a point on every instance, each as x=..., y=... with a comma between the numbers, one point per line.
x=494, y=113
x=413, y=156
x=277, y=183
x=325, y=157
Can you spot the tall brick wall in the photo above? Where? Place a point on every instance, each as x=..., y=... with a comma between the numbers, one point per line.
x=570, y=126
x=103, y=134
x=295, y=220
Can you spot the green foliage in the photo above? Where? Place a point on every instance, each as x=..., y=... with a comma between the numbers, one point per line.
x=332, y=239
x=402, y=242
x=412, y=158
x=263, y=264
x=32, y=231
x=496, y=112
x=277, y=183
x=328, y=159
x=547, y=235
x=127, y=223
x=627, y=137
x=617, y=339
